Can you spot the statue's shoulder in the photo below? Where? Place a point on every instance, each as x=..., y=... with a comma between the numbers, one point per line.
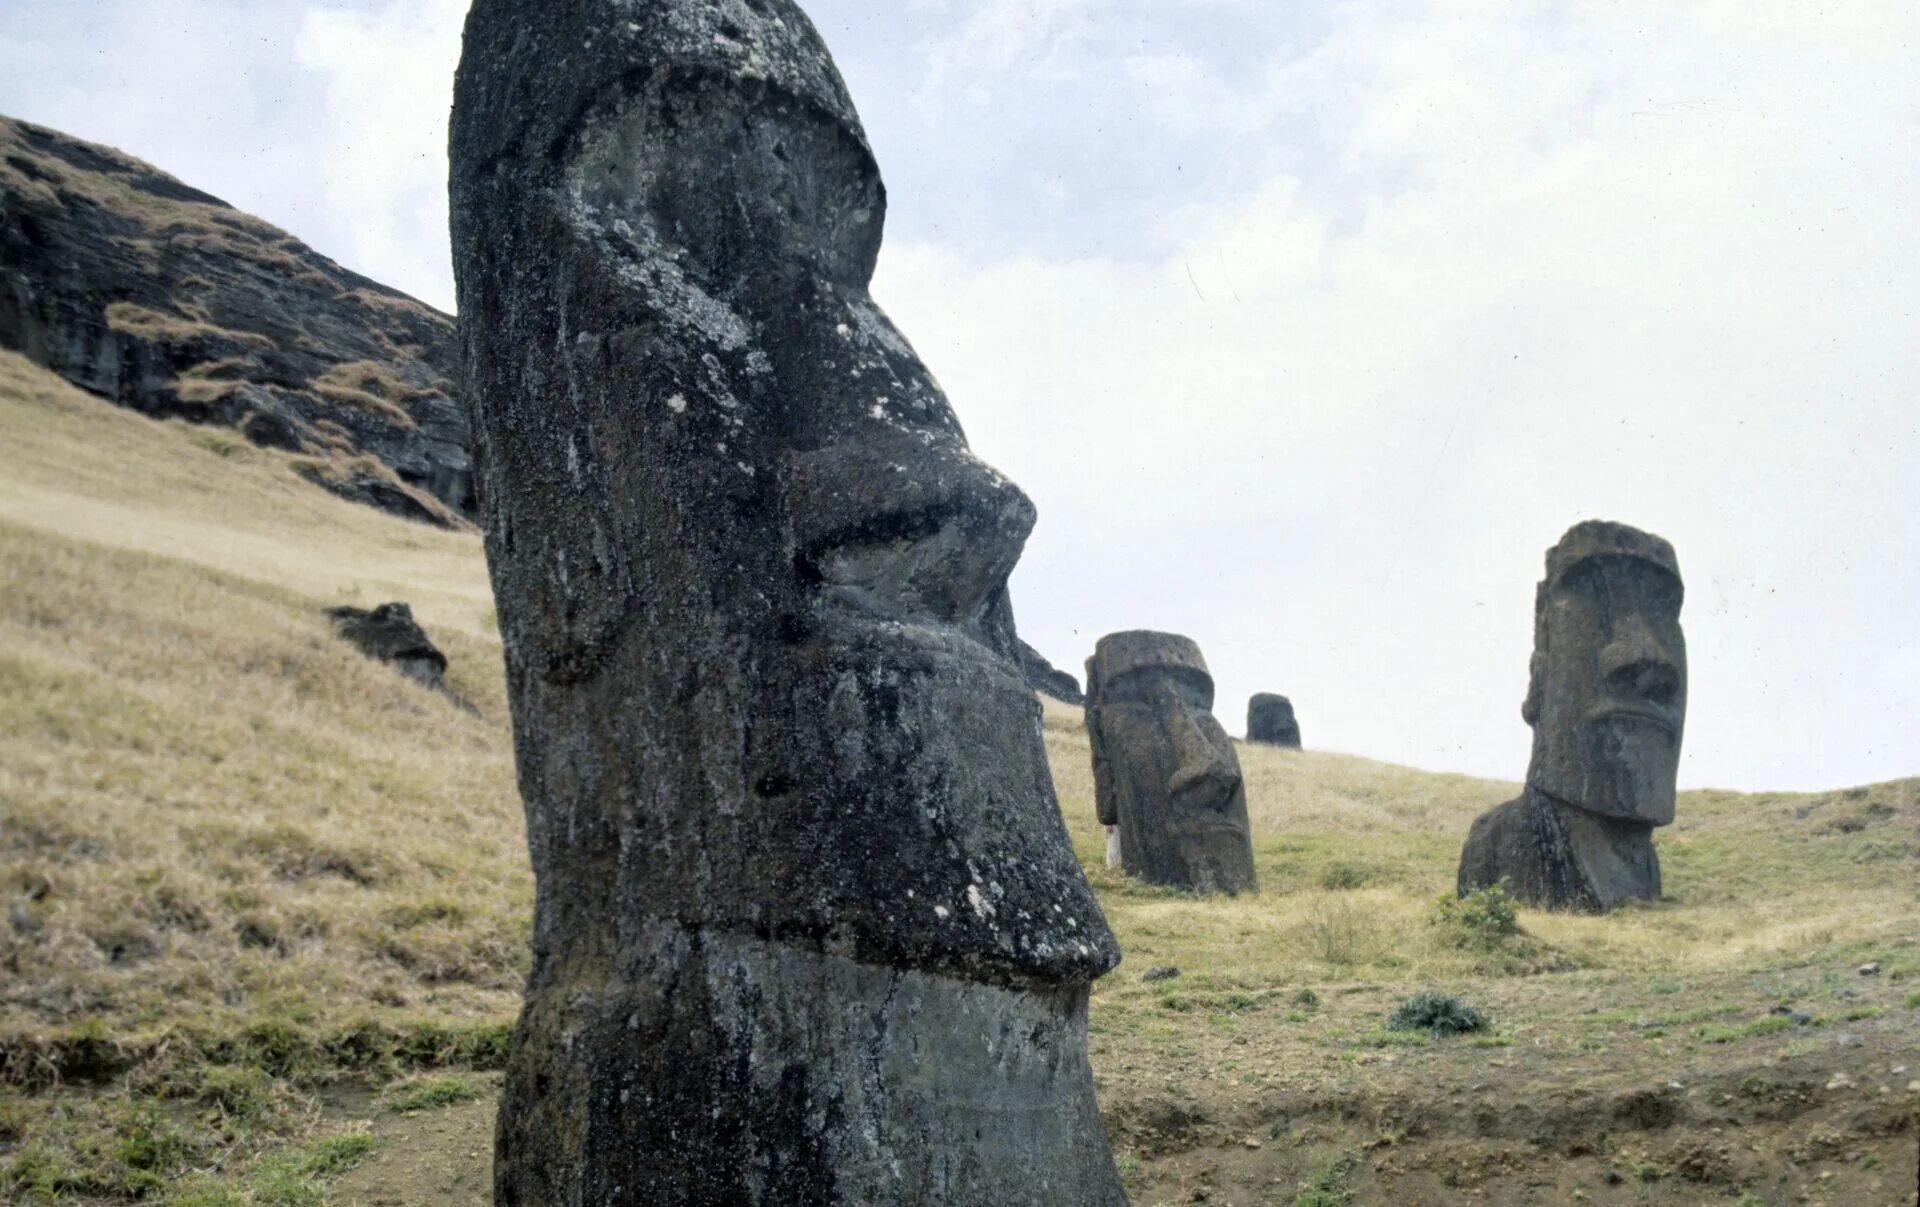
x=1501, y=819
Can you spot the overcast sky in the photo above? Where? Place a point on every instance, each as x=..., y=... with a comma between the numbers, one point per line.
x=1308, y=326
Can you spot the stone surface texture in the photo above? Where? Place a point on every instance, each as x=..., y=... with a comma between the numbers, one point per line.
x=164, y=299
x=1270, y=721
x=1044, y=677
x=808, y=927
x=1164, y=771
x=1607, y=699
x=390, y=634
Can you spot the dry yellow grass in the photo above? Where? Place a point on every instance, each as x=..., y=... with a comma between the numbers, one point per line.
x=148, y=323
x=73, y=466
x=211, y=803
x=371, y=387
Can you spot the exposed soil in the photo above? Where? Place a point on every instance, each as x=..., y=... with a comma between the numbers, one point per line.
x=1819, y=1116
x=443, y=1157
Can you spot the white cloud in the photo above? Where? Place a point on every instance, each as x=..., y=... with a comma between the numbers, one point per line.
x=1636, y=264
x=1002, y=34
x=389, y=86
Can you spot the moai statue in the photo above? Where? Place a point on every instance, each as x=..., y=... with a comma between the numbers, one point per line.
x=1270, y=721
x=1165, y=776
x=808, y=927
x=1607, y=700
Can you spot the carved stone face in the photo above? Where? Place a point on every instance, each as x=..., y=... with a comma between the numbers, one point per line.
x=1165, y=770
x=1608, y=696
x=808, y=926
x=763, y=569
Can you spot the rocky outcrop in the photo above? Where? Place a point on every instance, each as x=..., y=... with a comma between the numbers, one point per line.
x=390, y=634
x=160, y=297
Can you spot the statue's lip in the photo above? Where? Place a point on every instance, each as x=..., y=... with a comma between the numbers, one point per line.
x=1628, y=712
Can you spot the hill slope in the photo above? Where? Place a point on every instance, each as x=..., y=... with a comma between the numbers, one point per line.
x=267, y=903
x=162, y=298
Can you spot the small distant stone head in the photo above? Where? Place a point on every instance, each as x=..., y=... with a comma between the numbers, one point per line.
x=1165, y=770
x=1270, y=721
x=1607, y=694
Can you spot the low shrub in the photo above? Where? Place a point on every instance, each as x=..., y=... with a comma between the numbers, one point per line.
x=1341, y=876
x=1437, y=1013
x=1483, y=919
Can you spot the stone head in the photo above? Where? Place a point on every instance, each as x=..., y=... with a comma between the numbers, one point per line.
x=758, y=552
x=1165, y=772
x=1158, y=682
x=1607, y=693
x=1270, y=720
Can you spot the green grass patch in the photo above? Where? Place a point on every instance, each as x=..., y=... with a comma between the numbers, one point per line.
x=1772, y=1024
x=1328, y=1187
x=433, y=1091
x=291, y=1177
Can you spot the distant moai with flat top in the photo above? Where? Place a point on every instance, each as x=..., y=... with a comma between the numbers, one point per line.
x=1166, y=779
x=1270, y=721
x=1607, y=699
x=808, y=928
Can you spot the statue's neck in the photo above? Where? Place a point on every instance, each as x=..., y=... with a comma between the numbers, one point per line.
x=1615, y=855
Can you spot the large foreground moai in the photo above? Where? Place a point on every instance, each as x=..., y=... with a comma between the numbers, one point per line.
x=1164, y=771
x=1607, y=700
x=808, y=926
x=1270, y=721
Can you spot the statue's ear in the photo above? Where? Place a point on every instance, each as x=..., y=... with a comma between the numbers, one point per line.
x=1537, y=669
x=1537, y=665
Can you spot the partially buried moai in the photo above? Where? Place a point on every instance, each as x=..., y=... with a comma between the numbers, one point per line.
x=1270, y=721
x=808, y=927
x=1607, y=699
x=1166, y=780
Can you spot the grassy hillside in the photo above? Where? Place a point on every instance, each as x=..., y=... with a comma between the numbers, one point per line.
x=267, y=905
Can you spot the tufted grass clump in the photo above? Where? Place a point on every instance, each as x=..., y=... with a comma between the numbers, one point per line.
x=1339, y=877
x=1483, y=919
x=435, y=1090
x=1439, y=1014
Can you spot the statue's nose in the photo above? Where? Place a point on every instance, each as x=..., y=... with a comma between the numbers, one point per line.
x=1204, y=775
x=927, y=530
x=1637, y=665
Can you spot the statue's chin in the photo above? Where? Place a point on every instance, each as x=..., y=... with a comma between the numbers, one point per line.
x=1625, y=772
x=932, y=837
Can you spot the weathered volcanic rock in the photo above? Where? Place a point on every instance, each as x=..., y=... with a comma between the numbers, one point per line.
x=1270, y=721
x=1043, y=676
x=808, y=927
x=1164, y=771
x=389, y=634
x=164, y=299
x=1607, y=699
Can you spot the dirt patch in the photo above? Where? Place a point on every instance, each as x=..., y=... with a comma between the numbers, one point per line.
x=435, y=1158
